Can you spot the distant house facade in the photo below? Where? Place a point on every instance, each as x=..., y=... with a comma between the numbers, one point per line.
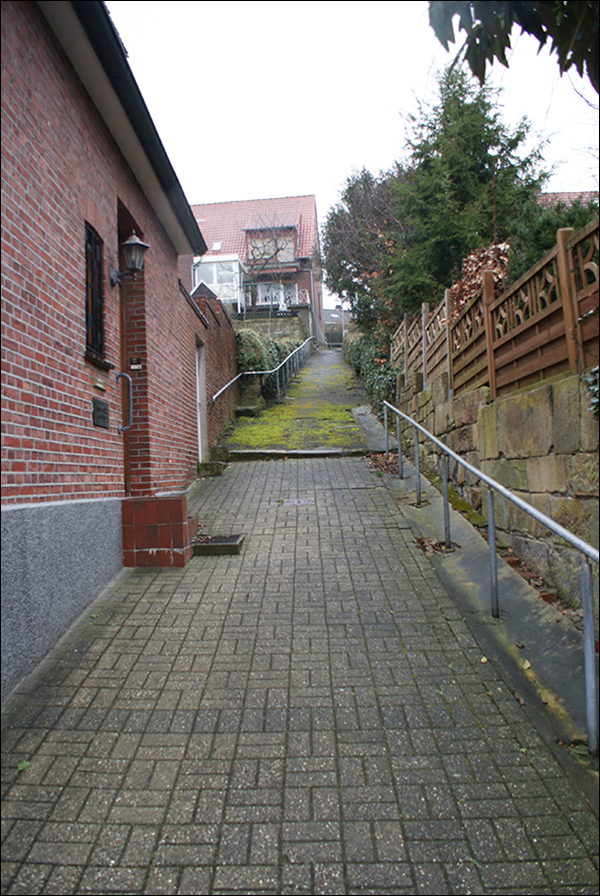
x=338, y=322
x=546, y=200
x=262, y=254
x=106, y=372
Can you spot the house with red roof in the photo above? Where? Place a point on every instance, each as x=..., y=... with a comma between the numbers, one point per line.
x=262, y=254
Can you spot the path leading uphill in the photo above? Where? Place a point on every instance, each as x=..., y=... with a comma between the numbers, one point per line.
x=317, y=416
x=311, y=716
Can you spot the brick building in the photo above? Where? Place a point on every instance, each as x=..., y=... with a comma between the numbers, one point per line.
x=105, y=378
x=263, y=253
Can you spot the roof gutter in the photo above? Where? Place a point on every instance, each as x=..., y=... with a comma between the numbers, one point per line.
x=90, y=40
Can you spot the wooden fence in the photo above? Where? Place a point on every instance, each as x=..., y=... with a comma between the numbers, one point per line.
x=544, y=324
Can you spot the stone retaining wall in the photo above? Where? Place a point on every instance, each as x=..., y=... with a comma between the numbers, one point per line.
x=276, y=327
x=541, y=443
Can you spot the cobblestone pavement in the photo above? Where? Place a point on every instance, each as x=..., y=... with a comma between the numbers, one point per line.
x=311, y=716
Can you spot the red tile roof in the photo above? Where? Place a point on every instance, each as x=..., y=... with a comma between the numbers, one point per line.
x=227, y=222
x=548, y=199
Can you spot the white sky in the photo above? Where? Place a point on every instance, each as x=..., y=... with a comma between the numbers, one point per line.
x=255, y=100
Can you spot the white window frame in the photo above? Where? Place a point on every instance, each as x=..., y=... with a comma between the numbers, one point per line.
x=230, y=293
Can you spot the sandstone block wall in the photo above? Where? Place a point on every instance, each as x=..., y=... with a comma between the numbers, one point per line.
x=540, y=443
x=275, y=327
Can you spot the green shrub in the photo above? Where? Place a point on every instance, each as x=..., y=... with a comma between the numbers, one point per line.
x=250, y=351
x=258, y=352
x=368, y=361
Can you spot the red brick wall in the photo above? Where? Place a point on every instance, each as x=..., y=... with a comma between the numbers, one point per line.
x=54, y=179
x=218, y=337
x=61, y=169
x=185, y=271
x=221, y=367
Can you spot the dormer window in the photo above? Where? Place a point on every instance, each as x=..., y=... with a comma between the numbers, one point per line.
x=271, y=247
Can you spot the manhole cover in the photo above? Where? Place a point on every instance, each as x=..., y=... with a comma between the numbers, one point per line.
x=298, y=502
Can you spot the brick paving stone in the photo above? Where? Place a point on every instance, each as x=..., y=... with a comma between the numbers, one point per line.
x=310, y=716
x=430, y=878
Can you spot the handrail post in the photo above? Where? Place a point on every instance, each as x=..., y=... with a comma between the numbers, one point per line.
x=417, y=466
x=385, y=426
x=399, y=440
x=493, y=555
x=448, y=541
x=589, y=658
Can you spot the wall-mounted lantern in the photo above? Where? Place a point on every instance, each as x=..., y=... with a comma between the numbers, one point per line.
x=134, y=251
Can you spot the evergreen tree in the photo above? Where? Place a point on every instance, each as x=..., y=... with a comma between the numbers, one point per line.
x=535, y=233
x=399, y=239
x=467, y=187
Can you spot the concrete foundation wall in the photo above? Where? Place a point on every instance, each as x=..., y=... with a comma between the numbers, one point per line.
x=542, y=444
x=56, y=559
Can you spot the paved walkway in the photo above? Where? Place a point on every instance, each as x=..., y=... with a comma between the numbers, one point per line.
x=313, y=417
x=311, y=716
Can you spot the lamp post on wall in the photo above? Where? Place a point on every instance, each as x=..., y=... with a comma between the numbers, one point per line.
x=134, y=252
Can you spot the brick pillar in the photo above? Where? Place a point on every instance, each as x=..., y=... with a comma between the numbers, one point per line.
x=157, y=531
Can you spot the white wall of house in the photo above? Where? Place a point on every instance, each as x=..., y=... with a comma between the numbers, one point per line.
x=224, y=275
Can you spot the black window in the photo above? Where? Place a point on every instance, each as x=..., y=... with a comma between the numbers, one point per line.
x=94, y=298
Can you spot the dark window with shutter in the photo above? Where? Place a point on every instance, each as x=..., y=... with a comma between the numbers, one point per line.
x=93, y=295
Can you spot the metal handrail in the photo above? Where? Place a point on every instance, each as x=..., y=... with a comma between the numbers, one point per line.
x=284, y=364
x=586, y=549
x=129, y=382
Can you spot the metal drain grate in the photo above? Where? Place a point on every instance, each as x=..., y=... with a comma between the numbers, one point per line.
x=207, y=545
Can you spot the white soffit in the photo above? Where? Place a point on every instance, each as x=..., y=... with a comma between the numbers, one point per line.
x=73, y=39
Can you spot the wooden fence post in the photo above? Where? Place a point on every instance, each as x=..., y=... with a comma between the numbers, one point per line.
x=489, y=294
x=405, y=340
x=424, y=322
x=449, y=312
x=568, y=298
